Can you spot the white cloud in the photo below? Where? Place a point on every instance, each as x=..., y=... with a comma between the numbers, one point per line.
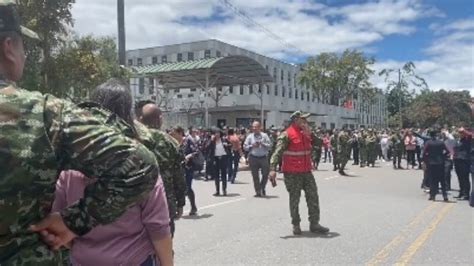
x=312, y=27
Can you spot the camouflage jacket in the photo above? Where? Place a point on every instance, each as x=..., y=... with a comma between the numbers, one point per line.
x=344, y=143
x=170, y=159
x=334, y=141
x=280, y=147
x=41, y=135
x=397, y=142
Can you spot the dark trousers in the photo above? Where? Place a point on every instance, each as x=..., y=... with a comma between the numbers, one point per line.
x=418, y=155
x=462, y=168
x=189, y=184
x=259, y=164
x=411, y=158
x=436, y=174
x=355, y=154
x=397, y=158
x=233, y=166
x=327, y=154
x=220, y=172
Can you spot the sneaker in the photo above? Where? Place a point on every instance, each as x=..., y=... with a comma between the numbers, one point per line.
x=264, y=193
x=217, y=194
x=193, y=212
x=431, y=198
x=445, y=198
x=317, y=228
x=258, y=195
x=297, y=230
x=225, y=193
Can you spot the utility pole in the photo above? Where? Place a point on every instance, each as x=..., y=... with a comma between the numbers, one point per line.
x=121, y=31
x=400, y=98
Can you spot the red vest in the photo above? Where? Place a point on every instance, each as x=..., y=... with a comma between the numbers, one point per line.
x=297, y=157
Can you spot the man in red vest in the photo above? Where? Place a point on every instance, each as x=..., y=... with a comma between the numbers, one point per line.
x=295, y=148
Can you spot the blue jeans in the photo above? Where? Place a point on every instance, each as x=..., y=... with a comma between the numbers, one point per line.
x=233, y=166
x=189, y=185
x=150, y=261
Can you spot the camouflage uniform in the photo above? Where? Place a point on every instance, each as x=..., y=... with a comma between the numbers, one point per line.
x=317, y=147
x=371, y=142
x=343, y=149
x=363, y=149
x=170, y=158
x=295, y=183
x=41, y=135
x=397, y=149
x=335, y=155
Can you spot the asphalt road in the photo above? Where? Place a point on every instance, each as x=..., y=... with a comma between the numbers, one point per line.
x=378, y=216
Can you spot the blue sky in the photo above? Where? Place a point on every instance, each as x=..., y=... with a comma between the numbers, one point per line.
x=437, y=35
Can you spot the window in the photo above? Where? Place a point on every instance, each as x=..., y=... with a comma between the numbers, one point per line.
x=190, y=95
x=218, y=54
x=207, y=54
x=307, y=96
x=323, y=125
x=290, y=93
x=139, y=62
x=250, y=89
x=179, y=96
x=180, y=57
x=302, y=95
x=164, y=59
x=268, y=89
x=296, y=94
x=266, y=68
x=154, y=60
x=130, y=62
x=151, y=87
x=231, y=90
x=176, y=90
x=283, y=92
x=294, y=80
x=276, y=90
x=241, y=89
x=141, y=85
x=289, y=78
x=274, y=72
x=190, y=56
x=193, y=90
x=282, y=76
x=333, y=126
x=260, y=88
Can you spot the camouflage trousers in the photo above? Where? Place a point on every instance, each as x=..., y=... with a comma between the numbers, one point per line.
x=371, y=153
x=343, y=159
x=363, y=156
x=294, y=184
x=335, y=157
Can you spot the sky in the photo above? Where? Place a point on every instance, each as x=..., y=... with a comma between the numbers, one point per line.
x=437, y=35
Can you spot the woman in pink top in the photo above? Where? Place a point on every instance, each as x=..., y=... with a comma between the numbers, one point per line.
x=135, y=238
x=327, y=150
x=410, y=147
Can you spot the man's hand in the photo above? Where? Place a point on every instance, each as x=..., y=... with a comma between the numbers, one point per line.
x=179, y=213
x=256, y=145
x=272, y=175
x=53, y=231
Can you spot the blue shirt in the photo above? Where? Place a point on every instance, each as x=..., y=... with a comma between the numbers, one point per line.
x=261, y=151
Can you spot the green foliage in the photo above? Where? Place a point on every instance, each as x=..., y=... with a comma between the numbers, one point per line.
x=336, y=78
x=440, y=107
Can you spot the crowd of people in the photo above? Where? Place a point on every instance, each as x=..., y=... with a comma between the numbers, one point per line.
x=98, y=184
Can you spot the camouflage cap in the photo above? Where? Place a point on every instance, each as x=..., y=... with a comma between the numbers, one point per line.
x=10, y=21
x=299, y=114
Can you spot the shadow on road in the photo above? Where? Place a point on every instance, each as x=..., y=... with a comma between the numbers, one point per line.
x=231, y=195
x=270, y=197
x=240, y=183
x=307, y=234
x=198, y=217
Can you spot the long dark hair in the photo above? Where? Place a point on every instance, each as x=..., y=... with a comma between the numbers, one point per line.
x=115, y=96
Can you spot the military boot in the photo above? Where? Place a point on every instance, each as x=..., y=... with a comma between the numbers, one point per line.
x=296, y=229
x=317, y=228
x=341, y=172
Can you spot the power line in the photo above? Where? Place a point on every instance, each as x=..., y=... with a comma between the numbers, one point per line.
x=262, y=28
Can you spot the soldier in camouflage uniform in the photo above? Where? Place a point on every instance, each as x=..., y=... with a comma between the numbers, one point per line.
x=397, y=149
x=334, y=144
x=317, y=139
x=294, y=147
x=41, y=135
x=363, y=148
x=343, y=150
x=371, y=143
x=169, y=157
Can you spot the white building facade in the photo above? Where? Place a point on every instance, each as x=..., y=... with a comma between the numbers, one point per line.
x=240, y=105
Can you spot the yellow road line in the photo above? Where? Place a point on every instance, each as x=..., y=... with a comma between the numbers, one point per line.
x=385, y=251
x=420, y=240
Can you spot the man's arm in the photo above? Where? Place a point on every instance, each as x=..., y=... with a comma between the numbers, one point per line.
x=266, y=142
x=281, y=145
x=247, y=143
x=125, y=170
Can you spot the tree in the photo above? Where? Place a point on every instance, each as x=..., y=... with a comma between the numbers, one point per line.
x=440, y=108
x=335, y=79
x=81, y=64
x=401, y=84
x=51, y=20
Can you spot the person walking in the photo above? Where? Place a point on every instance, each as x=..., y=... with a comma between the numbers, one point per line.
x=355, y=147
x=434, y=154
x=235, y=154
x=344, y=149
x=371, y=143
x=410, y=147
x=258, y=144
x=462, y=163
x=384, y=145
x=363, y=148
x=397, y=149
x=295, y=148
x=191, y=151
x=334, y=151
x=326, y=147
x=219, y=151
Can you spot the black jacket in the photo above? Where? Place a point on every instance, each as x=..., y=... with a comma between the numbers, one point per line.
x=462, y=149
x=212, y=147
x=435, y=152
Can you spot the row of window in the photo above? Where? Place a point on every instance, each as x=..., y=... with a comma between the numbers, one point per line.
x=179, y=58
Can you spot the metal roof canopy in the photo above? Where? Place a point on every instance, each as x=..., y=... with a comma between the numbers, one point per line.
x=206, y=73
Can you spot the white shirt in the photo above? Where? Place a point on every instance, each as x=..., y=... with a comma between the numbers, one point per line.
x=220, y=151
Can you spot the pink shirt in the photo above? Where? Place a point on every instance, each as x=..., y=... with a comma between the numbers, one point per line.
x=126, y=241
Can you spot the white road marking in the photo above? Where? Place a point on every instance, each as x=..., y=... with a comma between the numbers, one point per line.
x=331, y=177
x=218, y=204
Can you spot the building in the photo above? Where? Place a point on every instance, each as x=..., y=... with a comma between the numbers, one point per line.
x=239, y=105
